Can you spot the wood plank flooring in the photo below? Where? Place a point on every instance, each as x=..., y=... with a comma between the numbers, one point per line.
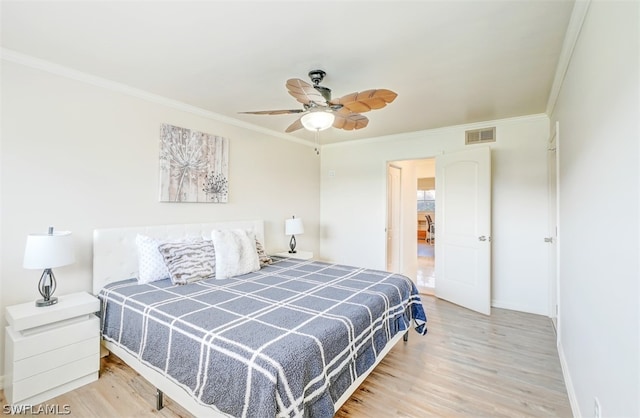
x=468, y=365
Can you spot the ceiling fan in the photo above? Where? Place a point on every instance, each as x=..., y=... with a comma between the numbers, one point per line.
x=320, y=111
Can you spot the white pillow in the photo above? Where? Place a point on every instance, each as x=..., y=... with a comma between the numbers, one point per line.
x=151, y=266
x=236, y=252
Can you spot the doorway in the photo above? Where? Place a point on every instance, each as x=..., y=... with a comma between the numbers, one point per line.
x=407, y=249
x=462, y=239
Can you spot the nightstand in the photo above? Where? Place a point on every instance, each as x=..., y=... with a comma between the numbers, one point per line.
x=51, y=350
x=299, y=255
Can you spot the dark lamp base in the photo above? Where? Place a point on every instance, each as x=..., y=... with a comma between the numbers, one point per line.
x=42, y=302
x=292, y=245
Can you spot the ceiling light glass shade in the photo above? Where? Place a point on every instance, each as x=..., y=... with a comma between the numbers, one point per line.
x=317, y=121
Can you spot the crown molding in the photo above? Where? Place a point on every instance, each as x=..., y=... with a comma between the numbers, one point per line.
x=574, y=27
x=420, y=135
x=50, y=67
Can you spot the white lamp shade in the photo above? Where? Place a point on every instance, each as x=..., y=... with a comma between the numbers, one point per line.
x=293, y=227
x=44, y=251
x=317, y=121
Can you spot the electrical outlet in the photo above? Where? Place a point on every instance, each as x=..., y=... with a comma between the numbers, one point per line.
x=597, y=412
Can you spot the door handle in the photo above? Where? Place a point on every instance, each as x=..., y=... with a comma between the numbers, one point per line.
x=548, y=239
x=482, y=238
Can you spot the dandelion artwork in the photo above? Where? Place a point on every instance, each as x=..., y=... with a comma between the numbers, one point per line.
x=194, y=166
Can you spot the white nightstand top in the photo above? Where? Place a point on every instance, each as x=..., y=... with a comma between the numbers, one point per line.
x=300, y=255
x=28, y=315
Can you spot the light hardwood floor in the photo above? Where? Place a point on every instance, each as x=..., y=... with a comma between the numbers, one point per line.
x=468, y=365
x=426, y=274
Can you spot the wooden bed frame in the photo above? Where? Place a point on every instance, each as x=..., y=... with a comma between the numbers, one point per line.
x=115, y=259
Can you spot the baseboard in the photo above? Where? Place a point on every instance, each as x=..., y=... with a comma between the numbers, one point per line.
x=520, y=308
x=573, y=401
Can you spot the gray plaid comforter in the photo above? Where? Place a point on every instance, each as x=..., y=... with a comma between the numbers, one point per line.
x=287, y=340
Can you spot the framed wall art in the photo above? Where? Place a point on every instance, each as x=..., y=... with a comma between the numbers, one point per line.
x=194, y=166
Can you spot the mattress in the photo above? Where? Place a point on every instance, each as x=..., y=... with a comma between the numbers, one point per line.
x=286, y=340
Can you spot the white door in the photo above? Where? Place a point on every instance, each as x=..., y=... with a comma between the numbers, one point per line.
x=394, y=177
x=552, y=236
x=463, y=228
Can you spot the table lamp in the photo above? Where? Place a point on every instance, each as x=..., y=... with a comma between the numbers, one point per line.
x=293, y=227
x=47, y=251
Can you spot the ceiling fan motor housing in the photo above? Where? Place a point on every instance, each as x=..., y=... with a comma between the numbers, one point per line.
x=316, y=76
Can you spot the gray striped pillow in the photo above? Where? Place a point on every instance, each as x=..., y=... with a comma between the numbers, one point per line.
x=189, y=261
x=265, y=260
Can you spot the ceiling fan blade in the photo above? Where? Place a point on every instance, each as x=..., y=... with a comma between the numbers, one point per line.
x=274, y=112
x=349, y=121
x=304, y=92
x=294, y=126
x=366, y=100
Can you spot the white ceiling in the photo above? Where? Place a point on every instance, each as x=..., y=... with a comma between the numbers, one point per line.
x=451, y=62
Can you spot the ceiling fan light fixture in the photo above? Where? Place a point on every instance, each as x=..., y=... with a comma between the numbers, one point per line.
x=318, y=120
x=321, y=112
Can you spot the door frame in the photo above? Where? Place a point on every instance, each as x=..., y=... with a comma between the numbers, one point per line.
x=554, y=271
x=397, y=236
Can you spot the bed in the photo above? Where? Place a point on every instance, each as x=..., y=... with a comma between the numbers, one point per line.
x=294, y=338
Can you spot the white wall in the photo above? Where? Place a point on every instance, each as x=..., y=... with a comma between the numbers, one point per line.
x=80, y=157
x=598, y=112
x=353, y=204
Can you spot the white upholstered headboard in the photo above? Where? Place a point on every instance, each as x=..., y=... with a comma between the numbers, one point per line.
x=114, y=249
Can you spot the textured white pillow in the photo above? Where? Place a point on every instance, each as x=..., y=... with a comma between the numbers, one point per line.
x=151, y=266
x=236, y=252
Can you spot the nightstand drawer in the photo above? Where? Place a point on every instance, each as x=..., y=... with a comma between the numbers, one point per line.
x=33, y=344
x=40, y=363
x=35, y=385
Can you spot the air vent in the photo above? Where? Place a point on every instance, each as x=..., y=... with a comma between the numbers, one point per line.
x=480, y=136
